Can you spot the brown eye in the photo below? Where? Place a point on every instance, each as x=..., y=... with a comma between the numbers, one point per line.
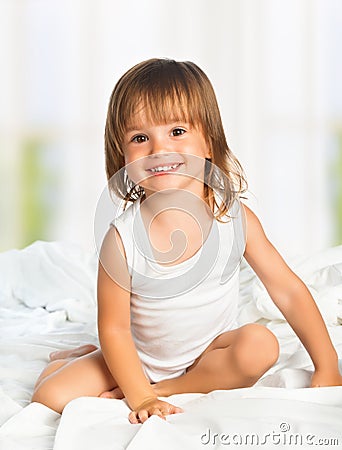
x=178, y=132
x=139, y=139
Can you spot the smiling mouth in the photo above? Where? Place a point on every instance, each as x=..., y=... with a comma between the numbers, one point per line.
x=165, y=168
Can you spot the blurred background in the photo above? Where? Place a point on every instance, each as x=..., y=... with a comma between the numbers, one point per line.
x=276, y=68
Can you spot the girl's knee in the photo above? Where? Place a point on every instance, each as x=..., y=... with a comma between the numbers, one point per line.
x=260, y=338
x=257, y=349
x=87, y=375
x=51, y=395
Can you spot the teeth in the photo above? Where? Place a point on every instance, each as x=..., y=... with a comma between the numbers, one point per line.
x=164, y=168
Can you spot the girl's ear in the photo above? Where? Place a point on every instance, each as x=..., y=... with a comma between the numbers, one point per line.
x=209, y=154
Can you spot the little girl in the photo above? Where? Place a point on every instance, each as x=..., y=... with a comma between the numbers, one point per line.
x=168, y=266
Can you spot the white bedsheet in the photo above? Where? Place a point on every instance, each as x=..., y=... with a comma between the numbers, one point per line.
x=47, y=302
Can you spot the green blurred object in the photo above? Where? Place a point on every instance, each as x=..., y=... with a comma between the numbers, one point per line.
x=37, y=181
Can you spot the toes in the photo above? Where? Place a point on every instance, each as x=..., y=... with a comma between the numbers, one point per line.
x=115, y=393
x=54, y=355
x=72, y=353
x=83, y=350
x=59, y=354
x=88, y=348
x=107, y=394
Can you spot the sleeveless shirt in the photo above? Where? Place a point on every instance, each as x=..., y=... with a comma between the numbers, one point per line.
x=177, y=311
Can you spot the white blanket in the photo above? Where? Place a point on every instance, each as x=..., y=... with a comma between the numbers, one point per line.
x=48, y=302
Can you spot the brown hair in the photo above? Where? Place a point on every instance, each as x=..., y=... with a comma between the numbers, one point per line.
x=181, y=91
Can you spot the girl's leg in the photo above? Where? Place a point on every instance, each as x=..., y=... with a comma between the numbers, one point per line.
x=235, y=359
x=63, y=380
x=50, y=369
x=61, y=357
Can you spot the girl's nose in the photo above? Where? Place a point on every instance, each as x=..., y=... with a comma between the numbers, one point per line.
x=159, y=145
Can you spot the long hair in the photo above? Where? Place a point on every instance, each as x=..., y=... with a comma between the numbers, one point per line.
x=179, y=91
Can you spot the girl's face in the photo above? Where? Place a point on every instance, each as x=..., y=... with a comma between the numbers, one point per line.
x=165, y=156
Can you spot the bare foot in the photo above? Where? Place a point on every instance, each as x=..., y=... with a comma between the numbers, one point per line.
x=114, y=393
x=118, y=394
x=72, y=353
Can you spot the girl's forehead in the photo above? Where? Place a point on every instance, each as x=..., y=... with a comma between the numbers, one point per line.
x=147, y=115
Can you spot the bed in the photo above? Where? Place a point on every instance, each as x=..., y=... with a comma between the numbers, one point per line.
x=48, y=302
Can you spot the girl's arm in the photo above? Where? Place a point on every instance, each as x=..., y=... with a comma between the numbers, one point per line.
x=117, y=345
x=294, y=300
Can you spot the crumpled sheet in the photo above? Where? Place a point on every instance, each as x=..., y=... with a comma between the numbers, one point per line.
x=48, y=302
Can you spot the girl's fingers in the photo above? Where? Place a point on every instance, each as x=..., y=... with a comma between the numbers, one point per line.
x=176, y=410
x=132, y=417
x=157, y=412
x=143, y=415
x=173, y=410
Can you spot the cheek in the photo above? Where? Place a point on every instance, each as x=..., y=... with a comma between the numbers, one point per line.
x=131, y=160
x=135, y=168
x=206, y=149
x=134, y=153
x=202, y=147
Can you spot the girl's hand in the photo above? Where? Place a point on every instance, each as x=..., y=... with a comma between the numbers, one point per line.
x=326, y=378
x=150, y=407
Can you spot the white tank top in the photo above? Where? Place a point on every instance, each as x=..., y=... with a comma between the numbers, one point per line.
x=177, y=311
